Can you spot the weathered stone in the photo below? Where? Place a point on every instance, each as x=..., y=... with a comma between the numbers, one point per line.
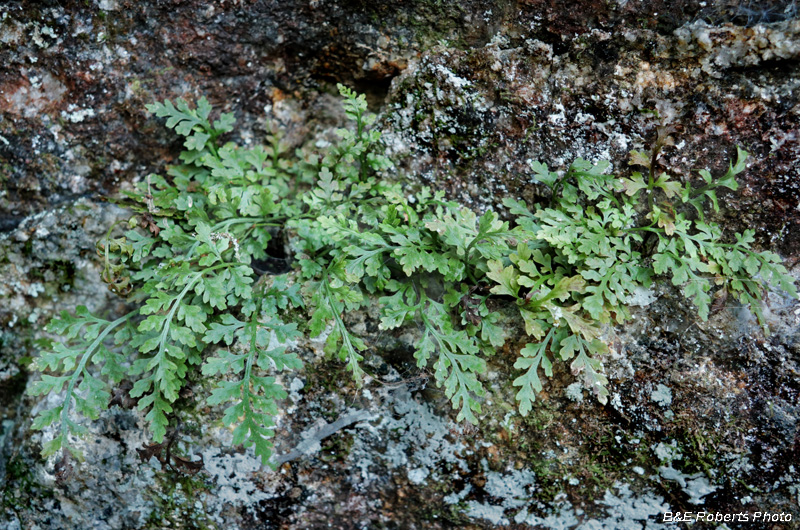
x=467, y=93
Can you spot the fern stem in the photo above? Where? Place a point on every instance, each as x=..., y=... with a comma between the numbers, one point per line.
x=352, y=361
x=64, y=416
x=248, y=369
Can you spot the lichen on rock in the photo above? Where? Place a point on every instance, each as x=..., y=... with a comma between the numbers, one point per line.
x=704, y=415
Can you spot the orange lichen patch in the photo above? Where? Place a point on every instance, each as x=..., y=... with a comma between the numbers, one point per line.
x=385, y=69
x=648, y=77
x=278, y=95
x=31, y=94
x=744, y=116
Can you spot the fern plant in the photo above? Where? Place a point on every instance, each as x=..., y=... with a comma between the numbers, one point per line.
x=189, y=264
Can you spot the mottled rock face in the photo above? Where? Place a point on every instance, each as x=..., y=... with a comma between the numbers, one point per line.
x=702, y=416
x=470, y=120
x=76, y=76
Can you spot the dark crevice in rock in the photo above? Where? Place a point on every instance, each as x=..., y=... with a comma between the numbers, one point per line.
x=376, y=90
x=781, y=68
x=277, y=260
x=9, y=222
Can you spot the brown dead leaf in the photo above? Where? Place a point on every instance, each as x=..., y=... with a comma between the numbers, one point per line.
x=146, y=221
x=63, y=468
x=149, y=451
x=121, y=396
x=187, y=466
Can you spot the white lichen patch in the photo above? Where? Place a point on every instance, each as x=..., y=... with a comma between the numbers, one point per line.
x=620, y=509
x=662, y=395
x=696, y=486
x=232, y=475
x=574, y=392
x=108, y=5
x=418, y=475
x=641, y=297
x=423, y=447
x=667, y=453
x=75, y=114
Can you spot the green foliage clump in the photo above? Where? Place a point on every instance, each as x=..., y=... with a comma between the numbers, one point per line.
x=190, y=264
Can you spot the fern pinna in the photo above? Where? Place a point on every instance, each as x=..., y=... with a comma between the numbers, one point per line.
x=188, y=265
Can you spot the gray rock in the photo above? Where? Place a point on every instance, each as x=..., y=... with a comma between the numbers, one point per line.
x=467, y=92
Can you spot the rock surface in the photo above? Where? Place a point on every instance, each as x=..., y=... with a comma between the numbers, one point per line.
x=703, y=416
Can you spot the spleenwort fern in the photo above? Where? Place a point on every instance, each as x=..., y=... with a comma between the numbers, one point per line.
x=457, y=364
x=86, y=333
x=255, y=397
x=334, y=297
x=191, y=264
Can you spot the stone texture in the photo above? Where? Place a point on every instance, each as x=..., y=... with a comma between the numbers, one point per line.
x=467, y=92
